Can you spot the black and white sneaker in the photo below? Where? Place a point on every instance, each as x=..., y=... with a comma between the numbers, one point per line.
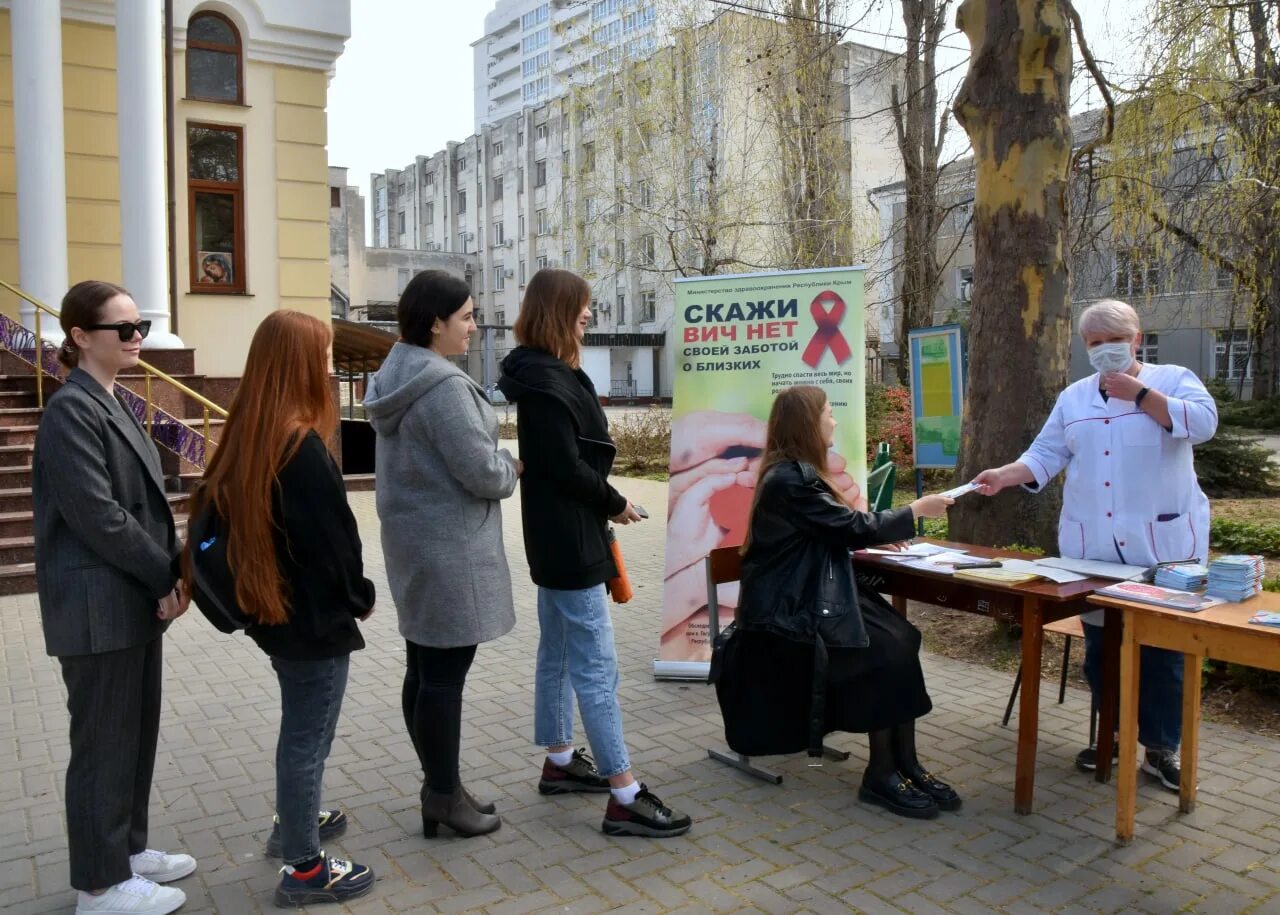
x=645, y=816
x=1087, y=759
x=333, y=823
x=1164, y=765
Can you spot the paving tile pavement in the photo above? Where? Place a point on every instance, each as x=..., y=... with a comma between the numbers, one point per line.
x=807, y=845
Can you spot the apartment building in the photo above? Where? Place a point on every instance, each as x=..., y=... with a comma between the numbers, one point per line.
x=533, y=50
x=1191, y=313
x=580, y=182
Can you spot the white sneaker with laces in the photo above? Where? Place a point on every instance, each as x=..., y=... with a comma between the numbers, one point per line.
x=135, y=896
x=161, y=868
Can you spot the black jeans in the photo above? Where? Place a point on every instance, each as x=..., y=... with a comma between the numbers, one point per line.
x=114, y=701
x=432, y=702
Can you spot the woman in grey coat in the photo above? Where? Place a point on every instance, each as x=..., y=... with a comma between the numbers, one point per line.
x=440, y=476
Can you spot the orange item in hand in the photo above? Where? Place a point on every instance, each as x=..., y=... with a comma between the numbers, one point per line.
x=619, y=586
x=731, y=511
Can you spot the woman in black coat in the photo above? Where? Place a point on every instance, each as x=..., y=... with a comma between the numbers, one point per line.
x=810, y=654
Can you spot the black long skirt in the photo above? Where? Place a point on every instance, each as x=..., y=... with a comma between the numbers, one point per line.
x=765, y=684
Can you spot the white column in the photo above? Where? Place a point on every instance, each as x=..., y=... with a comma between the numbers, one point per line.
x=140, y=101
x=36, y=27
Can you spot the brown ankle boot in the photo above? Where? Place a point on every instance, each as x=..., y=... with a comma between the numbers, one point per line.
x=456, y=812
x=487, y=807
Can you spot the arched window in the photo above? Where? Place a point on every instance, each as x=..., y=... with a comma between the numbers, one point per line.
x=215, y=68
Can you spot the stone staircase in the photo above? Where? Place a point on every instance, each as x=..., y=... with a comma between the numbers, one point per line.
x=20, y=416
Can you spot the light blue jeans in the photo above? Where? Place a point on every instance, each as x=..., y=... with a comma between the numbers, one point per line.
x=576, y=656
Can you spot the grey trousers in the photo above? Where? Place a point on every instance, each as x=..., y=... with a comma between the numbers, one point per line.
x=114, y=701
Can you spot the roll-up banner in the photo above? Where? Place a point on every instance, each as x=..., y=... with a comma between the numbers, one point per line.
x=738, y=341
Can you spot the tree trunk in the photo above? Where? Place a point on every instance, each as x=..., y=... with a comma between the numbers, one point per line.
x=1013, y=104
x=913, y=114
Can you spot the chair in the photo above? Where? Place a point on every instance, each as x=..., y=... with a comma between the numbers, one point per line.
x=1072, y=628
x=723, y=566
x=881, y=480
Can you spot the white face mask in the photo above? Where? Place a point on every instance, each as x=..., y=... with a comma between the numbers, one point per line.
x=1111, y=357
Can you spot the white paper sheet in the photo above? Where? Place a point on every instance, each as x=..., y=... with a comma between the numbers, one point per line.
x=1092, y=568
x=1060, y=576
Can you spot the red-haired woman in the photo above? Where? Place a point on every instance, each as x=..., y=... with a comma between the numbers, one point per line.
x=294, y=552
x=812, y=653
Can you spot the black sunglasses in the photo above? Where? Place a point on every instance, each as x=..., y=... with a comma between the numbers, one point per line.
x=126, y=329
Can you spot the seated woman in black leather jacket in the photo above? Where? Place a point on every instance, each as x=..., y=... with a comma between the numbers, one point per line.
x=810, y=654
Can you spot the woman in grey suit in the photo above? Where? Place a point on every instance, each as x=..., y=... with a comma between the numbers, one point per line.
x=440, y=476
x=104, y=543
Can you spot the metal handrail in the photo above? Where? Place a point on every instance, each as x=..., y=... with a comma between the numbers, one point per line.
x=149, y=371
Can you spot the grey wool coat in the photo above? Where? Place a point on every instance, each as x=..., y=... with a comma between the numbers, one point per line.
x=439, y=478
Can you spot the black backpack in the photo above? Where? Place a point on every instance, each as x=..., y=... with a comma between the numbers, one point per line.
x=213, y=587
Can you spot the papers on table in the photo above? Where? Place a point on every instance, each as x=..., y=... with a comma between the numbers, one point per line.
x=1039, y=567
x=1160, y=597
x=1092, y=568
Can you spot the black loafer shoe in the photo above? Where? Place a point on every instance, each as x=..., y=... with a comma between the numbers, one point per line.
x=896, y=794
x=943, y=794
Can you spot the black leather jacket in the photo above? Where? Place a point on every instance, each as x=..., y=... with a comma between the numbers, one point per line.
x=797, y=579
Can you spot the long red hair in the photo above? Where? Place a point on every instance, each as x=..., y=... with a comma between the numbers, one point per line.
x=283, y=395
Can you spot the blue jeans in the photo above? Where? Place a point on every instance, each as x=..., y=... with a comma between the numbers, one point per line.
x=1159, y=690
x=310, y=700
x=576, y=656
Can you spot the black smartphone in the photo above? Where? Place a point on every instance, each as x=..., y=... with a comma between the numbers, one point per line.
x=640, y=510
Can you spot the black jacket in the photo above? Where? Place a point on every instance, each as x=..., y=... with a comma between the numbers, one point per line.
x=318, y=548
x=797, y=579
x=565, y=496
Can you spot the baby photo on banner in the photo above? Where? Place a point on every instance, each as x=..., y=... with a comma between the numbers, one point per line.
x=739, y=340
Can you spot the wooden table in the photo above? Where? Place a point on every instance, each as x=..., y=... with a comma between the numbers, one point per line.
x=1030, y=605
x=1221, y=632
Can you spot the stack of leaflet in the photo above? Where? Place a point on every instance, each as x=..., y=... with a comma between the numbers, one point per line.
x=1236, y=578
x=1182, y=576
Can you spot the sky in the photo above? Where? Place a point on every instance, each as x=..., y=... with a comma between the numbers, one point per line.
x=403, y=86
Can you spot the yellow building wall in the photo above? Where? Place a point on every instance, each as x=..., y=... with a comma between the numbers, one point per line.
x=285, y=178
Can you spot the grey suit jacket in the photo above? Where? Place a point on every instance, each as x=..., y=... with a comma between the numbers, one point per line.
x=104, y=533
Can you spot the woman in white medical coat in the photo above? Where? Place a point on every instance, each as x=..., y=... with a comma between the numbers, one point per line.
x=1124, y=436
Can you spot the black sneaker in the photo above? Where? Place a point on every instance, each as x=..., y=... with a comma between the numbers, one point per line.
x=896, y=793
x=335, y=880
x=1166, y=766
x=333, y=823
x=1087, y=759
x=580, y=775
x=645, y=816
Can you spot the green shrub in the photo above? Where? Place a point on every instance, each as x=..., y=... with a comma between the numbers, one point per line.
x=1231, y=536
x=1233, y=464
x=1259, y=415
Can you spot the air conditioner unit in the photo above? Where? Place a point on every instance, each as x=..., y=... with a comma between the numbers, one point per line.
x=553, y=263
x=493, y=84
x=508, y=273
x=507, y=243
x=470, y=236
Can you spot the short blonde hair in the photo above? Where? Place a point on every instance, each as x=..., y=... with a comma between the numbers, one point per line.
x=1111, y=317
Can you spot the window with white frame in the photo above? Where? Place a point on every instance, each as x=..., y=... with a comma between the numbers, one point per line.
x=621, y=315
x=520, y=226
x=540, y=131
x=497, y=189
x=541, y=262
x=496, y=149
x=1233, y=355
x=649, y=249
x=964, y=284
x=1149, y=350
x=499, y=277
x=544, y=222
x=540, y=173
x=646, y=193
x=1137, y=272
x=648, y=306
x=499, y=233
x=522, y=273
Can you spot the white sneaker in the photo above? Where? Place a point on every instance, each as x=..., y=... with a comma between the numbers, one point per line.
x=136, y=896
x=161, y=868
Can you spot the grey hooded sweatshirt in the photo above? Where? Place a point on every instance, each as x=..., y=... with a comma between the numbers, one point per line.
x=440, y=476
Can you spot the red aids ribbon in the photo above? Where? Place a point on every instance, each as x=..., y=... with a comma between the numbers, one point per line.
x=828, y=311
